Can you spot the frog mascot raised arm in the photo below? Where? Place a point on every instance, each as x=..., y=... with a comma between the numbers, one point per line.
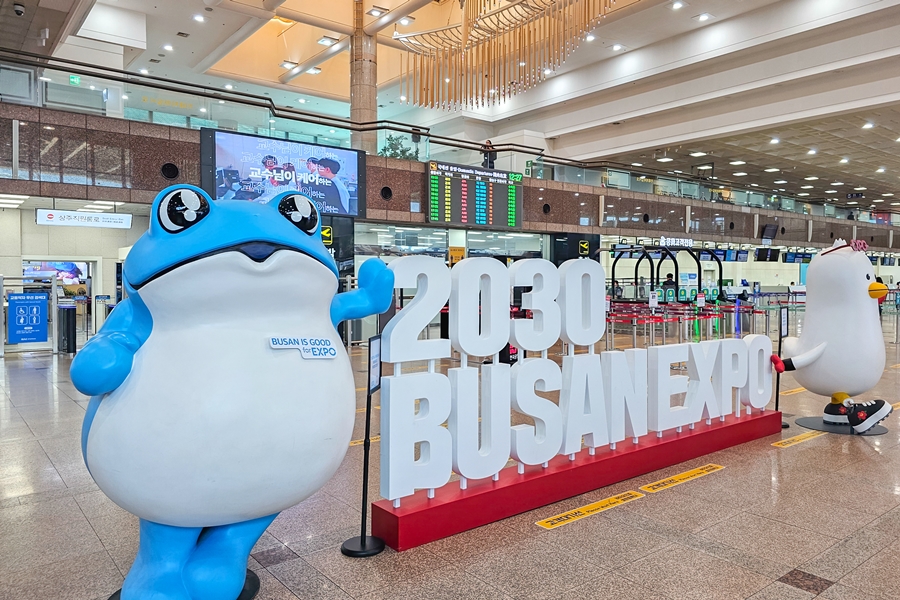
x=221, y=393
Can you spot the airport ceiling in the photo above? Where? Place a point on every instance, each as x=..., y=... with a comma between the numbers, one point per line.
x=818, y=160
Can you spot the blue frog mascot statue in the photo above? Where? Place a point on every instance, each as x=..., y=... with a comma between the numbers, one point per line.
x=221, y=393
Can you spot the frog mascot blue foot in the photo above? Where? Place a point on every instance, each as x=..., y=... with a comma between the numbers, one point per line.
x=220, y=391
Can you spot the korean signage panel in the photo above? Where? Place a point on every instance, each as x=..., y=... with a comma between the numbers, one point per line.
x=27, y=318
x=73, y=218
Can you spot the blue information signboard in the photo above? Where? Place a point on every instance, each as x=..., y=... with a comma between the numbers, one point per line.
x=27, y=318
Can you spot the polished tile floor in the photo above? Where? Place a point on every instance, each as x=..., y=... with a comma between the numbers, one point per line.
x=819, y=519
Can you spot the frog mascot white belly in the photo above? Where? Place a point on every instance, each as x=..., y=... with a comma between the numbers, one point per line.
x=221, y=393
x=840, y=352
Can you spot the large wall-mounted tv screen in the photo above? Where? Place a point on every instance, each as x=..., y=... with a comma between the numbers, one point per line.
x=473, y=196
x=237, y=166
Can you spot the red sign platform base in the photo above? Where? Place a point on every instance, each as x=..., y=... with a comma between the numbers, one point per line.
x=420, y=520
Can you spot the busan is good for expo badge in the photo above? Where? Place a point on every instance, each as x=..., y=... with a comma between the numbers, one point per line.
x=314, y=348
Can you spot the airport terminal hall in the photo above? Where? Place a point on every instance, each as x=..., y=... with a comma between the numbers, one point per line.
x=449, y=300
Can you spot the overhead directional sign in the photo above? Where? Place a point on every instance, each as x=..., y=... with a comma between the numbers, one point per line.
x=584, y=247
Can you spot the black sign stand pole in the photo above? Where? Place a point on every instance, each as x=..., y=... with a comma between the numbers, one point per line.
x=367, y=545
x=781, y=332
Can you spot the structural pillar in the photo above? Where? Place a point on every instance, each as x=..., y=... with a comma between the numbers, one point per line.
x=363, y=82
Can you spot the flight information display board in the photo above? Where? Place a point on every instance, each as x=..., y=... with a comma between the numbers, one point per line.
x=474, y=196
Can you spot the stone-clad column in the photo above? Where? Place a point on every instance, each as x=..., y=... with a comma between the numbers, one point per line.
x=363, y=82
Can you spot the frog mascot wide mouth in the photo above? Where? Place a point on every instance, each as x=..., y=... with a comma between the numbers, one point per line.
x=197, y=423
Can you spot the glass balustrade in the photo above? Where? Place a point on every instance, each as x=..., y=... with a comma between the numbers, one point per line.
x=193, y=107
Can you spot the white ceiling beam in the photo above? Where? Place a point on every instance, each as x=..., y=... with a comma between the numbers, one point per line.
x=394, y=16
x=314, y=61
x=811, y=98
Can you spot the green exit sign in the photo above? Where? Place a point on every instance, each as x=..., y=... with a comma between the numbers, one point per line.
x=74, y=80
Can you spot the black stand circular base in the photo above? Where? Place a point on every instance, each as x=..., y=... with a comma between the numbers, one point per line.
x=358, y=547
x=785, y=424
x=818, y=424
x=251, y=588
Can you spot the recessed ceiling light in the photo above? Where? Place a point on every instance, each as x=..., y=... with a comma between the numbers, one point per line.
x=678, y=4
x=124, y=96
x=859, y=189
x=868, y=126
x=45, y=79
x=402, y=98
x=774, y=141
x=844, y=161
x=888, y=195
x=446, y=80
x=314, y=71
x=772, y=170
x=203, y=110
x=331, y=131
x=703, y=17
x=221, y=102
x=831, y=191
x=807, y=187
x=327, y=41
x=737, y=162
x=739, y=174
x=781, y=181
x=838, y=183
x=696, y=154
x=6, y=197
x=589, y=38
x=228, y=86
x=92, y=87
x=271, y=120
x=677, y=171
x=854, y=202
x=812, y=151
x=168, y=48
x=288, y=64
x=199, y=18
x=664, y=159
x=879, y=200
x=376, y=11
x=547, y=71
x=879, y=170
x=782, y=190
x=897, y=140
x=811, y=178
x=895, y=203
x=407, y=20
x=617, y=47
x=522, y=63
x=803, y=194
x=704, y=167
x=301, y=100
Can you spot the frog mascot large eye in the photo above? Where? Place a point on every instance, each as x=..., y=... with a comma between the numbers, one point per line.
x=213, y=407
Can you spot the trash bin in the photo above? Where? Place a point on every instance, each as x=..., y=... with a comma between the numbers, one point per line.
x=66, y=328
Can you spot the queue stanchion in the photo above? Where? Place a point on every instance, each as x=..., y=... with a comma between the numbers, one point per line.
x=610, y=334
x=367, y=545
x=634, y=332
x=680, y=329
x=897, y=325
